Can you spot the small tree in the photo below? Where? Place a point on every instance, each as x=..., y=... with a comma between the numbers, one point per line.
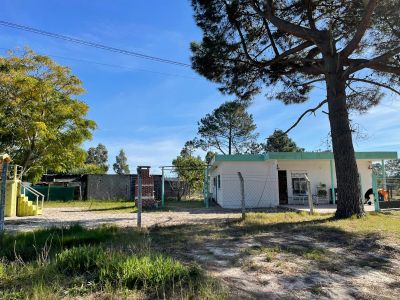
x=98, y=156
x=280, y=142
x=121, y=164
x=42, y=123
x=289, y=46
x=228, y=128
x=190, y=173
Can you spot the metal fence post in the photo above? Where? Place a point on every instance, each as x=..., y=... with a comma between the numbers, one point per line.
x=243, y=204
x=310, y=200
x=139, y=209
x=376, y=194
x=3, y=187
x=162, y=188
x=206, y=184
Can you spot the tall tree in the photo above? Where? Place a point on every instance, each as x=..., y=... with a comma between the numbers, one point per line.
x=42, y=123
x=228, y=128
x=121, y=166
x=98, y=156
x=281, y=142
x=290, y=45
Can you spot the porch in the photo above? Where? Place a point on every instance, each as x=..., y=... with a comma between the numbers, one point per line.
x=322, y=208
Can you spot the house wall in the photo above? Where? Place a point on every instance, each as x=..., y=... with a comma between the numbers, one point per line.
x=261, y=180
x=260, y=184
x=318, y=171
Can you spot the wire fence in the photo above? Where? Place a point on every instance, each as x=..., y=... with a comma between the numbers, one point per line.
x=259, y=190
x=387, y=191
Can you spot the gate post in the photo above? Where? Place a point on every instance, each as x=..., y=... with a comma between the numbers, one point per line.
x=4, y=160
x=139, y=211
x=162, y=188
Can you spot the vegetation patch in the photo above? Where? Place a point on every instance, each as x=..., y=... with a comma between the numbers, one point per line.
x=74, y=262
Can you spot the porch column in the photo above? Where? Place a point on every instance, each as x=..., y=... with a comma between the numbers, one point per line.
x=384, y=174
x=332, y=182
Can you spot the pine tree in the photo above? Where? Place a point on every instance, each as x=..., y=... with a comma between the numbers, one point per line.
x=285, y=47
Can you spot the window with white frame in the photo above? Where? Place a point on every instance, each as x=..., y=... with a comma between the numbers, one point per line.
x=299, y=183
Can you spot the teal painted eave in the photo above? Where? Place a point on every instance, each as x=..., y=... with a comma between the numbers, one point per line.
x=240, y=157
x=302, y=156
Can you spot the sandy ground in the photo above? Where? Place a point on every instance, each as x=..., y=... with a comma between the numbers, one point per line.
x=67, y=216
x=351, y=267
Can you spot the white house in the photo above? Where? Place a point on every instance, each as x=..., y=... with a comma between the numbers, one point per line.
x=279, y=178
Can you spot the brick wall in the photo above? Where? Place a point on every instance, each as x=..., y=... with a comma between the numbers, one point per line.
x=147, y=185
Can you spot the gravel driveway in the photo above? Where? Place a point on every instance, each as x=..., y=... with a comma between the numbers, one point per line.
x=67, y=216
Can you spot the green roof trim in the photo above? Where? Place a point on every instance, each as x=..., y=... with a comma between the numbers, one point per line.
x=240, y=157
x=301, y=156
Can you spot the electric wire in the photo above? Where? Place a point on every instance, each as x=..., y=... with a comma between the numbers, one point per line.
x=91, y=44
x=108, y=65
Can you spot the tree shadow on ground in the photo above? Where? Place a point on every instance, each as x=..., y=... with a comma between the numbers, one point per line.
x=332, y=254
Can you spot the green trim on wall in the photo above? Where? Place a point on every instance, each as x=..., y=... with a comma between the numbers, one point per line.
x=240, y=157
x=301, y=156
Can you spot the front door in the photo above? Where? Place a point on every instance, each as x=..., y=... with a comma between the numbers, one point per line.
x=283, y=191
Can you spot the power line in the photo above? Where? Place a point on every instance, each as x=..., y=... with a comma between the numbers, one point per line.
x=110, y=65
x=91, y=44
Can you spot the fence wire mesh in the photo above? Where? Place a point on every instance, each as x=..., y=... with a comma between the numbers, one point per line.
x=259, y=190
x=388, y=189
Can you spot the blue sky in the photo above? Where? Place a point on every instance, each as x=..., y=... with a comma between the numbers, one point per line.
x=150, y=109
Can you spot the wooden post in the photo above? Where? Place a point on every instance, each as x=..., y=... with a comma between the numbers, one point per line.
x=139, y=210
x=310, y=200
x=243, y=204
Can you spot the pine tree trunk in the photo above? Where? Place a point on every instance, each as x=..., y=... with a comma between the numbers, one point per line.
x=349, y=201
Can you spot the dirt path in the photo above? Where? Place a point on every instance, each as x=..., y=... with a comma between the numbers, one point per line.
x=67, y=216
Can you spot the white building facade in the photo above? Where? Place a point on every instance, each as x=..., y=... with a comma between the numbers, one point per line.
x=279, y=178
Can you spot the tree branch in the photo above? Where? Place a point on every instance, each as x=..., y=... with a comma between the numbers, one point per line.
x=377, y=63
x=310, y=18
x=376, y=83
x=285, y=26
x=310, y=82
x=308, y=111
x=361, y=29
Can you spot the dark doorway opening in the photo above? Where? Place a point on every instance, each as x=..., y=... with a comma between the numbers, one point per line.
x=283, y=190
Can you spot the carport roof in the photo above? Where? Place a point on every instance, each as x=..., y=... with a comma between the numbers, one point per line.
x=301, y=156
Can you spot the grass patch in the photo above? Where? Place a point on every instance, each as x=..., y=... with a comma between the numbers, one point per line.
x=117, y=206
x=148, y=272
x=106, y=262
x=28, y=246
